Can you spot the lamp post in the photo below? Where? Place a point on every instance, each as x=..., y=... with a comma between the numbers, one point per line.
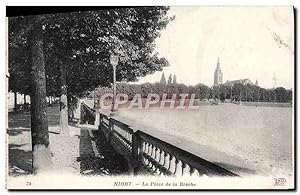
x=94, y=96
x=114, y=59
x=231, y=93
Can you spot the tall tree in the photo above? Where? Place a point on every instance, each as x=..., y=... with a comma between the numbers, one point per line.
x=83, y=41
x=170, y=79
x=39, y=122
x=281, y=94
x=202, y=91
x=163, y=79
x=174, y=79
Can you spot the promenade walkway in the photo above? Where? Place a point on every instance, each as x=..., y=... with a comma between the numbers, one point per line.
x=85, y=152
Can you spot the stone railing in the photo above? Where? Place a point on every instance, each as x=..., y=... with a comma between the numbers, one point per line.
x=147, y=154
x=118, y=134
x=87, y=114
x=162, y=158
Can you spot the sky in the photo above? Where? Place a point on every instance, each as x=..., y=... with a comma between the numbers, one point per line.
x=251, y=42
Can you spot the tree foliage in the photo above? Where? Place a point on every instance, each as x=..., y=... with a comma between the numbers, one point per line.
x=174, y=79
x=84, y=41
x=170, y=79
x=249, y=93
x=163, y=79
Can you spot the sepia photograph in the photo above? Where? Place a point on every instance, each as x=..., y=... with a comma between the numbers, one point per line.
x=150, y=98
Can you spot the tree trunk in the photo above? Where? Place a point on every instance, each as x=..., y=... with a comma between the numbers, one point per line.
x=15, y=100
x=41, y=155
x=63, y=123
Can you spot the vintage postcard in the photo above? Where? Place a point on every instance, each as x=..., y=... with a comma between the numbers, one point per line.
x=151, y=98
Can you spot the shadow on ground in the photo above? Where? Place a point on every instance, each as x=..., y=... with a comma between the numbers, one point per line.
x=97, y=157
x=20, y=161
x=17, y=131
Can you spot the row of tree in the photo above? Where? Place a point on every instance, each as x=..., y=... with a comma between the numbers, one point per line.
x=237, y=92
x=251, y=93
x=64, y=55
x=170, y=81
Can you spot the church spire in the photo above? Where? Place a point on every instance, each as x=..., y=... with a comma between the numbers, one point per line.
x=218, y=63
x=218, y=76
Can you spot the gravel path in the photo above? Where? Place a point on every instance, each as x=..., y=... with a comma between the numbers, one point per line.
x=84, y=152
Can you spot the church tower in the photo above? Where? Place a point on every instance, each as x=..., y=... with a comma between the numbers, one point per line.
x=218, y=76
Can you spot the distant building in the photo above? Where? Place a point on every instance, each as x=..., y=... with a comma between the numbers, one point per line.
x=11, y=100
x=240, y=81
x=218, y=76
